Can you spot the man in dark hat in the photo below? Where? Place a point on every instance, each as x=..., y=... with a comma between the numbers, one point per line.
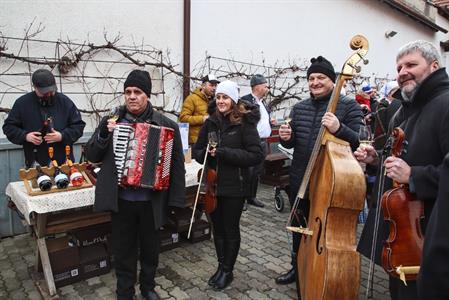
x=137, y=213
x=194, y=108
x=43, y=118
x=307, y=117
x=259, y=90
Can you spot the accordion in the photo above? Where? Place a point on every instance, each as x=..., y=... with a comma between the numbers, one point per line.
x=143, y=154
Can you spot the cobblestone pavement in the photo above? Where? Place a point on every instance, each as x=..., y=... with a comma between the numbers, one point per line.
x=183, y=272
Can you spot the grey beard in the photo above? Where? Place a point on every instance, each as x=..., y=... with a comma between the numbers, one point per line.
x=405, y=97
x=409, y=96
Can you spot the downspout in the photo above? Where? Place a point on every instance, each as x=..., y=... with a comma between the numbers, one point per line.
x=186, y=53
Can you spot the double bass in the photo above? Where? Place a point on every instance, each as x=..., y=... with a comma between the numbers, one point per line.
x=328, y=264
x=402, y=251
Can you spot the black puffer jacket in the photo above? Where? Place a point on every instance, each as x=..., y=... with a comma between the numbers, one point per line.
x=238, y=148
x=306, y=122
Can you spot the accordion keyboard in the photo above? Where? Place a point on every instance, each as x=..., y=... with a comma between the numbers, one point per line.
x=121, y=137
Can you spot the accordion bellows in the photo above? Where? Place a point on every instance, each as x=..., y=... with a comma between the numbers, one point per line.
x=143, y=155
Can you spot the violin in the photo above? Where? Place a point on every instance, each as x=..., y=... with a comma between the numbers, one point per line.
x=402, y=251
x=210, y=197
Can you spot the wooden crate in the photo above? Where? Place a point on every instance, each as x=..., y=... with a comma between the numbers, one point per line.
x=29, y=179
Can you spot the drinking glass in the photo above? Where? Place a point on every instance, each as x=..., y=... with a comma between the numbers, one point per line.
x=213, y=139
x=365, y=135
x=114, y=114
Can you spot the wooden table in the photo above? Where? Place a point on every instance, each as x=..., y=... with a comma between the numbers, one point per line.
x=60, y=212
x=52, y=214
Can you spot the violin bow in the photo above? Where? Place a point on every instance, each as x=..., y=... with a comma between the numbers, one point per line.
x=198, y=191
x=380, y=188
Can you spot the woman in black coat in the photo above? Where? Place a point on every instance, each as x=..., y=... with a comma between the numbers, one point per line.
x=238, y=147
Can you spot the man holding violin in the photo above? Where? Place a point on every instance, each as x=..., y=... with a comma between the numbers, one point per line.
x=424, y=118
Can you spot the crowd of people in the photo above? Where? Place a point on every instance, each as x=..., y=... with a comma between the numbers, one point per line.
x=231, y=131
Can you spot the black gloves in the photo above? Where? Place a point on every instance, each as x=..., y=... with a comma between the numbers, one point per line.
x=104, y=131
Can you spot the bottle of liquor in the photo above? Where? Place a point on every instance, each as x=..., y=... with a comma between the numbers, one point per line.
x=47, y=126
x=61, y=179
x=76, y=178
x=43, y=180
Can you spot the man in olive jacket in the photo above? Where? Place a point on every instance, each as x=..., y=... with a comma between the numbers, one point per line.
x=137, y=213
x=194, y=108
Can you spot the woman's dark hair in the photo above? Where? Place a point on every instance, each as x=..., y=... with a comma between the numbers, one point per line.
x=237, y=112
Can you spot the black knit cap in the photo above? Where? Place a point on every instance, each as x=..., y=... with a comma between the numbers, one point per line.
x=321, y=65
x=140, y=79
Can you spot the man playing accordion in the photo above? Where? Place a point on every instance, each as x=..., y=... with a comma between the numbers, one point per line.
x=137, y=212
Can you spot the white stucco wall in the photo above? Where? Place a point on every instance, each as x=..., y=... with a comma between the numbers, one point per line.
x=274, y=31
x=286, y=29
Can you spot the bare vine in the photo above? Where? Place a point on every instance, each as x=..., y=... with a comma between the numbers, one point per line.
x=75, y=63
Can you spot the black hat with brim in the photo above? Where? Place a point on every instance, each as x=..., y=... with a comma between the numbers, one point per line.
x=44, y=81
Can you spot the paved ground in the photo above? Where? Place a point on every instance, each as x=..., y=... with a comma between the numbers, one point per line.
x=184, y=271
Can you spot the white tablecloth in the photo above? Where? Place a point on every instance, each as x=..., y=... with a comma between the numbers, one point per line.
x=52, y=202
x=192, y=169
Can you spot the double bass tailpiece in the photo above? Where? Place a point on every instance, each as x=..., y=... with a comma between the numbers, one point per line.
x=300, y=229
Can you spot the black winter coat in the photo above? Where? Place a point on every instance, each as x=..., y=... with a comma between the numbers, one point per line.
x=250, y=98
x=26, y=116
x=433, y=279
x=425, y=122
x=106, y=191
x=306, y=123
x=238, y=148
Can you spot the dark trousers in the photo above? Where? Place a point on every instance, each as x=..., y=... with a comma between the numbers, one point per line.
x=226, y=221
x=133, y=229
x=299, y=218
x=255, y=172
x=400, y=291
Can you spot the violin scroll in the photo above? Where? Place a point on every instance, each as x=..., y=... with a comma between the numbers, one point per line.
x=398, y=137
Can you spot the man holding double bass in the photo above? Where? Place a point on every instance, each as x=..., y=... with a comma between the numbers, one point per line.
x=307, y=117
x=424, y=118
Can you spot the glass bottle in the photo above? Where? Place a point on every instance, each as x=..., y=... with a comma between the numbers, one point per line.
x=61, y=179
x=76, y=178
x=47, y=126
x=42, y=179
